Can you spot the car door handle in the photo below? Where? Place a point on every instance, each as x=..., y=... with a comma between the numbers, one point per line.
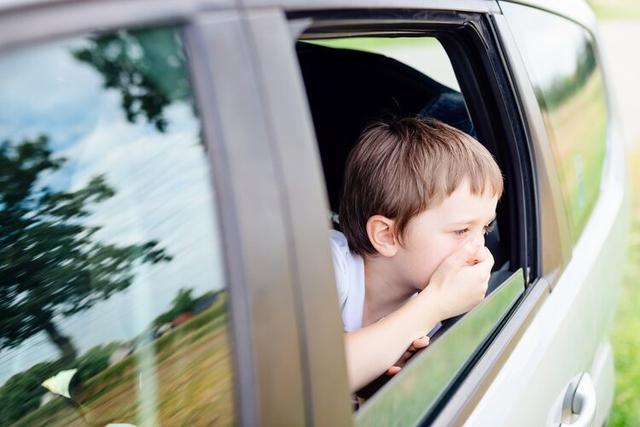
x=579, y=406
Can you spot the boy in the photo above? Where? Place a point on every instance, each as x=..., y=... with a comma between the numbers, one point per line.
x=418, y=198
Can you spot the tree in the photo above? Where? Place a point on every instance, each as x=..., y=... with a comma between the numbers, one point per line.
x=146, y=67
x=51, y=264
x=21, y=394
x=183, y=302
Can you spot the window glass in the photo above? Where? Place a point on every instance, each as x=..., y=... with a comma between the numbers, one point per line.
x=568, y=84
x=112, y=290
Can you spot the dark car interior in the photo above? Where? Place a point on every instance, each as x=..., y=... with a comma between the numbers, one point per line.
x=347, y=89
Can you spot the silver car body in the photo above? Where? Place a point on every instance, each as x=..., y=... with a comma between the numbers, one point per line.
x=560, y=331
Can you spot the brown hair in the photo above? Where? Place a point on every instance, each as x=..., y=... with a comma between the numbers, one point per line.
x=400, y=168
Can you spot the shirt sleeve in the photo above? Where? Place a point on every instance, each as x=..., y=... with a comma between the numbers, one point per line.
x=339, y=252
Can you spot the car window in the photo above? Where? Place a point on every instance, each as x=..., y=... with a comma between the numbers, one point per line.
x=568, y=83
x=112, y=289
x=350, y=82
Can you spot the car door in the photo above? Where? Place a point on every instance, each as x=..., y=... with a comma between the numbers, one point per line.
x=567, y=342
x=555, y=334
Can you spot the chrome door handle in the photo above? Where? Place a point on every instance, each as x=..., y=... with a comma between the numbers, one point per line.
x=579, y=406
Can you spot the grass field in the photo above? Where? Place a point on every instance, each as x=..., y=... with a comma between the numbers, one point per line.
x=162, y=384
x=616, y=9
x=626, y=333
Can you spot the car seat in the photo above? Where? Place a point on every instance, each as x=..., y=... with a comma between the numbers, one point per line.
x=347, y=89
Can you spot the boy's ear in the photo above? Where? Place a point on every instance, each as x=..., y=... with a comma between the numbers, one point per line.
x=382, y=235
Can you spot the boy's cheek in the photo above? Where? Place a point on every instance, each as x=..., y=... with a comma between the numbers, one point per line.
x=447, y=246
x=441, y=251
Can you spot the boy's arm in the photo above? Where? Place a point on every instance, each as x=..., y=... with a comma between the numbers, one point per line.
x=455, y=287
x=374, y=348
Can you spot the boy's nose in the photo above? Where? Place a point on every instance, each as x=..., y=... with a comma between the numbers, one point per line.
x=478, y=239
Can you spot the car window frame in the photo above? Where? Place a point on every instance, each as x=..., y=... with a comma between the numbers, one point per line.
x=479, y=36
x=327, y=397
x=476, y=23
x=262, y=308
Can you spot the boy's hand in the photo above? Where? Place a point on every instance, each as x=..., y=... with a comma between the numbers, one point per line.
x=460, y=281
x=416, y=345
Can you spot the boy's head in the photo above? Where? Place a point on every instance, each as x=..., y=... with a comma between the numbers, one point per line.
x=408, y=168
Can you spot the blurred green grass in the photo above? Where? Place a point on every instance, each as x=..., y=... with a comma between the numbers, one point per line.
x=616, y=9
x=183, y=393
x=626, y=332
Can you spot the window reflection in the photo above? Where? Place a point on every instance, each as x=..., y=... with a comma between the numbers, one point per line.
x=111, y=282
x=570, y=91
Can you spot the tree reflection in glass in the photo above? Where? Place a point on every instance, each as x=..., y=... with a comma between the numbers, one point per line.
x=110, y=265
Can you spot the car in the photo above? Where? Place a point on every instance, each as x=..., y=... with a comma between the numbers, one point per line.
x=170, y=173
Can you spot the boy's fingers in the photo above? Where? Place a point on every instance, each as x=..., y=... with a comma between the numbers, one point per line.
x=419, y=343
x=466, y=251
x=393, y=370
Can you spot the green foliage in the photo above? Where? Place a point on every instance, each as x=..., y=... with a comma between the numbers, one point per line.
x=211, y=318
x=616, y=9
x=147, y=67
x=562, y=88
x=626, y=332
x=50, y=262
x=95, y=361
x=108, y=379
x=217, y=311
x=97, y=379
x=22, y=392
x=183, y=302
x=626, y=344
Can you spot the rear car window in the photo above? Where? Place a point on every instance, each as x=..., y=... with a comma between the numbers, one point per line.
x=112, y=290
x=568, y=83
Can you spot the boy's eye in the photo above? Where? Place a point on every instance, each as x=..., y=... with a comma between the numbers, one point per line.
x=461, y=232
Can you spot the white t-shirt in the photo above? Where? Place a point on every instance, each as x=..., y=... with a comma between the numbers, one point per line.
x=349, y=272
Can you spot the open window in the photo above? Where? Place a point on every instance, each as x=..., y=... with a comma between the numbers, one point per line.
x=358, y=67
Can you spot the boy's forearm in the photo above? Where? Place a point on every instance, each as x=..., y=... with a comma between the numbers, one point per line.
x=372, y=350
